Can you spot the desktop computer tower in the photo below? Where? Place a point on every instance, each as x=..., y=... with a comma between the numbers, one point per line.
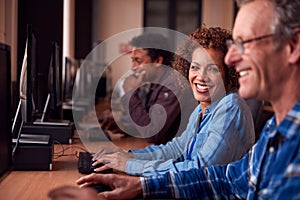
x=32, y=156
x=59, y=133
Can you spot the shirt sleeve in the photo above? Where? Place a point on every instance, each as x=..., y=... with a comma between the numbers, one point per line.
x=151, y=158
x=230, y=134
x=220, y=181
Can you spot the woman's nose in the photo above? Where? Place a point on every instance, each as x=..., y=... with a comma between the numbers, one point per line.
x=201, y=73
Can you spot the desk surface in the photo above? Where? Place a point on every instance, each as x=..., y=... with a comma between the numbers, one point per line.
x=36, y=184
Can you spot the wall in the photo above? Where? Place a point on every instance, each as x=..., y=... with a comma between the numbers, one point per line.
x=8, y=30
x=2, y=22
x=218, y=13
x=114, y=17
x=110, y=18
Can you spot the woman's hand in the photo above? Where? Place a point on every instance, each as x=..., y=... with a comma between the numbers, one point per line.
x=117, y=161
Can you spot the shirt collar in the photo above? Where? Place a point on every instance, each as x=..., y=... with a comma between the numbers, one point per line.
x=212, y=106
x=290, y=125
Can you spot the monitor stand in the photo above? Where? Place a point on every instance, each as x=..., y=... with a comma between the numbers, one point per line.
x=61, y=131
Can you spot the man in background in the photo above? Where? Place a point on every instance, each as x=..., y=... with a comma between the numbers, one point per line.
x=151, y=82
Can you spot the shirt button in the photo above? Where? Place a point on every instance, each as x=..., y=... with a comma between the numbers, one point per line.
x=271, y=149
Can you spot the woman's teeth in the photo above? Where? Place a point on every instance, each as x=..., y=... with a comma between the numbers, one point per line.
x=202, y=87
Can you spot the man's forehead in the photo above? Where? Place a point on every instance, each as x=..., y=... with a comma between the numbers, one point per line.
x=253, y=19
x=139, y=50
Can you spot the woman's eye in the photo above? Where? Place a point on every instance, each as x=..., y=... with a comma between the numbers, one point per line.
x=213, y=69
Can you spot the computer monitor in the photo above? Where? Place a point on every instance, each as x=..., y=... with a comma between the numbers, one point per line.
x=52, y=111
x=26, y=111
x=54, y=78
x=28, y=78
x=5, y=114
x=53, y=105
x=69, y=79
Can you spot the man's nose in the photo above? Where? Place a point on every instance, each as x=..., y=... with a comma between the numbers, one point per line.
x=233, y=56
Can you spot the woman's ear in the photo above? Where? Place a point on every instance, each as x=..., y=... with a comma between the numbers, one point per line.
x=295, y=47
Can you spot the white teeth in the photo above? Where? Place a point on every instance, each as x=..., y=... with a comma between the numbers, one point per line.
x=243, y=73
x=201, y=87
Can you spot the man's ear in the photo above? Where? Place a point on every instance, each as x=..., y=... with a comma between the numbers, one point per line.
x=159, y=60
x=295, y=47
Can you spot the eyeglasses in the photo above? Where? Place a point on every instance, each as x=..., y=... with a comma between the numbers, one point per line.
x=240, y=43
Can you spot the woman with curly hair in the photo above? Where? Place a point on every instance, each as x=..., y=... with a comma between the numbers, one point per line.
x=220, y=129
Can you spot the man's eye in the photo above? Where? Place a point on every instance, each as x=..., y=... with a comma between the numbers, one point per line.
x=138, y=61
x=194, y=67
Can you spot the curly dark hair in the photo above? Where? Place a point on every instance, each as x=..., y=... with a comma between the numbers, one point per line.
x=213, y=37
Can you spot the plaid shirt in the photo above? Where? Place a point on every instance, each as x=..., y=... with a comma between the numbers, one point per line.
x=270, y=170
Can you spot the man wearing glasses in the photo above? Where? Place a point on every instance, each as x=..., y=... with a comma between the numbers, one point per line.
x=266, y=54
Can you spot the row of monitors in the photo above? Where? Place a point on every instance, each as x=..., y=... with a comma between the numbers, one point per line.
x=59, y=85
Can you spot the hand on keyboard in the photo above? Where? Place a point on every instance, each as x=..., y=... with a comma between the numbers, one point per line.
x=85, y=166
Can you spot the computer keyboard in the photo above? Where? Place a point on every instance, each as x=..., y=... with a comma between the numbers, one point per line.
x=85, y=166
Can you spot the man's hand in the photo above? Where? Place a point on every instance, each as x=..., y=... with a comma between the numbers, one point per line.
x=123, y=186
x=134, y=81
x=117, y=161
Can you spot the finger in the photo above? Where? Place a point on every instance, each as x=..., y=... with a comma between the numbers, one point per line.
x=140, y=73
x=93, y=178
x=97, y=155
x=100, y=161
x=139, y=70
x=85, y=179
x=104, y=167
x=107, y=161
x=84, y=185
x=88, y=180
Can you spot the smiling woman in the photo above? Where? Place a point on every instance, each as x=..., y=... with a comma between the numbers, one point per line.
x=207, y=38
x=206, y=75
x=219, y=130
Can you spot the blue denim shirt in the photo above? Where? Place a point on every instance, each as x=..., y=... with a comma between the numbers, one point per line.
x=225, y=134
x=271, y=170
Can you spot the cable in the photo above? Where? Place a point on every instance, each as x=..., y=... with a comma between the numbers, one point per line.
x=62, y=152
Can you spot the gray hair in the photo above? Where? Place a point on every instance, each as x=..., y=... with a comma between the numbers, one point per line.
x=286, y=17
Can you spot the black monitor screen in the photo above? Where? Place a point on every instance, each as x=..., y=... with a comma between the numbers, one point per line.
x=55, y=79
x=28, y=78
x=70, y=75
